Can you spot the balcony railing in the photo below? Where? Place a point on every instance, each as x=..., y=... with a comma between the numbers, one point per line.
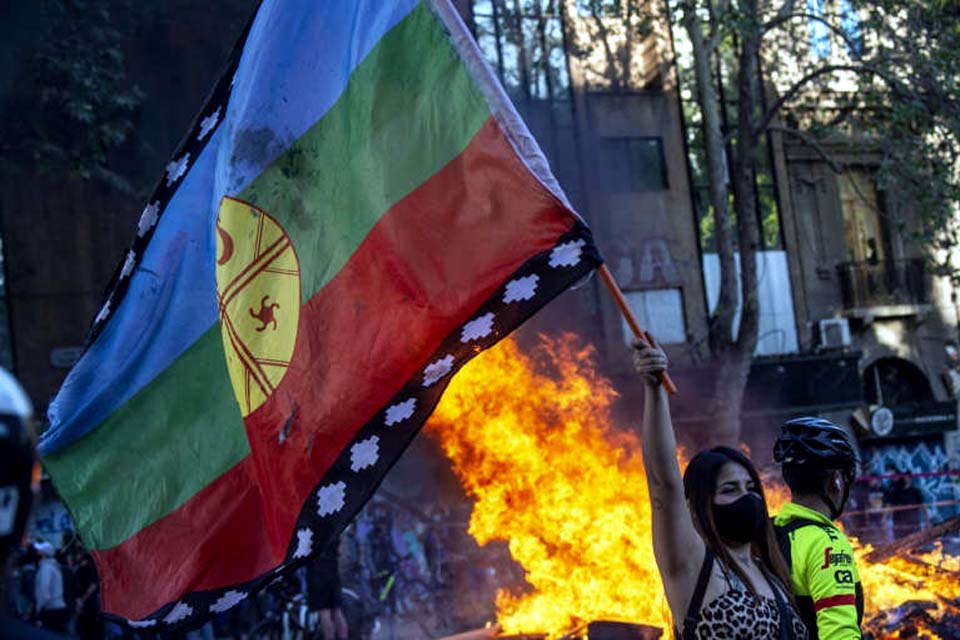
x=890, y=282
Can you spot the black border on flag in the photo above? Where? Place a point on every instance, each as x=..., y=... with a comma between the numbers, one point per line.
x=573, y=257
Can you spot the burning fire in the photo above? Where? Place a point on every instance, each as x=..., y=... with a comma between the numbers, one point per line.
x=532, y=440
x=553, y=478
x=887, y=586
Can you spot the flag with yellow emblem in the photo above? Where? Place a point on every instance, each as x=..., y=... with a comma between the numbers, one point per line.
x=357, y=211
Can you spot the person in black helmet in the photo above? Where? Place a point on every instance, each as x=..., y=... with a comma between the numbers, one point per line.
x=819, y=465
x=16, y=495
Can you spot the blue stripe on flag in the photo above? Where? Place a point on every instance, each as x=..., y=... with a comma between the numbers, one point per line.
x=278, y=95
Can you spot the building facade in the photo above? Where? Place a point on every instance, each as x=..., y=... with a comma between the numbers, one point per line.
x=853, y=324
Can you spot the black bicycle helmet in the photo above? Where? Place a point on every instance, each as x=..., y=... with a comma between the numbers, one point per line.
x=814, y=443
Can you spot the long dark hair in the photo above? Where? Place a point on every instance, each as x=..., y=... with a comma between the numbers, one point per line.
x=699, y=486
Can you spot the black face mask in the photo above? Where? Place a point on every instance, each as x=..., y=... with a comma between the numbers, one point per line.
x=741, y=521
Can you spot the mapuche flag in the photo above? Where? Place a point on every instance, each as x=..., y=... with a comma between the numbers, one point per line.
x=357, y=211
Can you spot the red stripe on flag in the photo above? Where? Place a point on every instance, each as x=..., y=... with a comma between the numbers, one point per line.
x=435, y=256
x=835, y=601
x=215, y=539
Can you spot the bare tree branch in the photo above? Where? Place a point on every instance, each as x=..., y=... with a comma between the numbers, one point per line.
x=719, y=12
x=790, y=93
x=780, y=20
x=811, y=142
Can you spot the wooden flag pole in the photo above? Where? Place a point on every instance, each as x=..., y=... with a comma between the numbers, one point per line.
x=614, y=290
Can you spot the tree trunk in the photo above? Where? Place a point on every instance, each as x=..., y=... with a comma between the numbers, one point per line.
x=749, y=114
x=731, y=373
x=734, y=362
x=721, y=320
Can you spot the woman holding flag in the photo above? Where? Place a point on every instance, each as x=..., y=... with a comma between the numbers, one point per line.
x=722, y=572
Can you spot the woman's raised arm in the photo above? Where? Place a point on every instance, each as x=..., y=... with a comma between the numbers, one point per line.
x=678, y=548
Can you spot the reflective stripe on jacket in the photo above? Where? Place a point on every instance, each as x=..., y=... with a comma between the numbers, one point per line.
x=825, y=578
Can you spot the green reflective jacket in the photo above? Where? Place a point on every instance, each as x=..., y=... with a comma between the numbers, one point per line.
x=825, y=578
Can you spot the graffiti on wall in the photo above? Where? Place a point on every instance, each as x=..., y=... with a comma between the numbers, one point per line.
x=647, y=263
x=929, y=460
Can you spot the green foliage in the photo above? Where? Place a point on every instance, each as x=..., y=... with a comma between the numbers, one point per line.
x=727, y=26
x=911, y=108
x=79, y=103
x=708, y=234
x=902, y=118
x=769, y=220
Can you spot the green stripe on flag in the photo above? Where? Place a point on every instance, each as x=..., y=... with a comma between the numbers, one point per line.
x=408, y=110
x=155, y=452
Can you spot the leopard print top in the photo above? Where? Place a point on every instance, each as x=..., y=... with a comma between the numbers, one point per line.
x=737, y=615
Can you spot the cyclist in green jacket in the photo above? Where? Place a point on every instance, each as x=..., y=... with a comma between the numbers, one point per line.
x=819, y=466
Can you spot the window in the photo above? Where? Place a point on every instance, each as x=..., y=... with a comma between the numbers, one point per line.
x=862, y=226
x=523, y=42
x=631, y=165
x=766, y=179
x=659, y=311
x=768, y=209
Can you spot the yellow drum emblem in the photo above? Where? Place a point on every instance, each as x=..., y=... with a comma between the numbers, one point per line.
x=258, y=288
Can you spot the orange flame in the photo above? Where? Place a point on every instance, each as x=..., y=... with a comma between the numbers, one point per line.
x=552, y=478
x=532, y=441
x=927, y=577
